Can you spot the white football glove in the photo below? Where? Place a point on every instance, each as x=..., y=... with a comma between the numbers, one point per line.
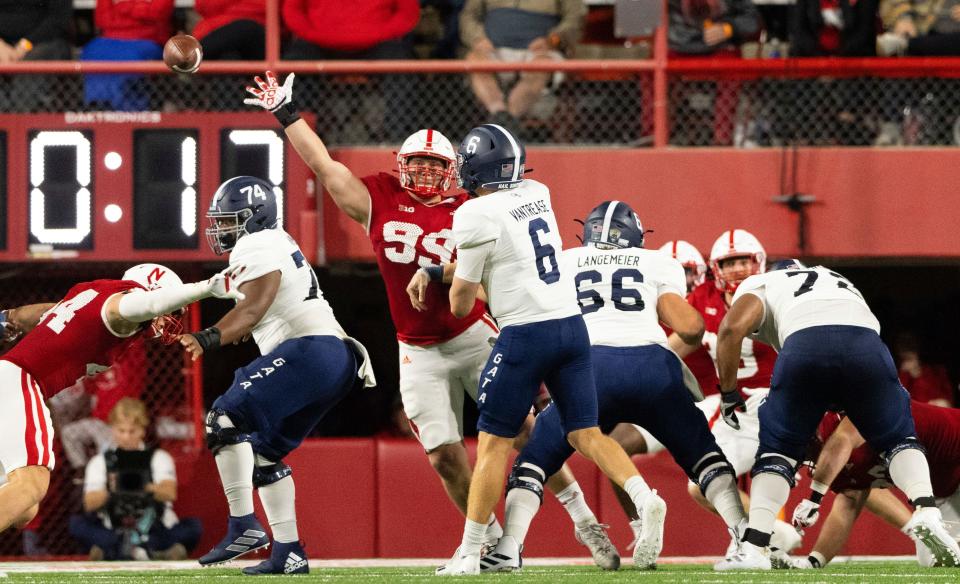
x=269, y=94
x=223, y=284
x=806, y=514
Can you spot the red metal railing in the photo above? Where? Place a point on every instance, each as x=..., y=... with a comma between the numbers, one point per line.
x=660, y=67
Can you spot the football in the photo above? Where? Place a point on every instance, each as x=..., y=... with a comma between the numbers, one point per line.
x=182, y=54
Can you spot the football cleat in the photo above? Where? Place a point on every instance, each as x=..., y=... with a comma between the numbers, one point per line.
x=736, y=535
x=506, y=557
x=594, y=536
x=750, y=557
x=285, y=558
x=653, y=513
x=926, y=527
x=785, y=537
x=460, y=565
x=244, y=535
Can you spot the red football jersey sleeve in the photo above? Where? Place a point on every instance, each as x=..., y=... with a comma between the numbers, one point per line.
x=71, y=338
x=407, y=235
x=756, y=358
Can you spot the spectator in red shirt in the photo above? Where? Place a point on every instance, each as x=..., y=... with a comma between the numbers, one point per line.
x=926, y=383
x=231, y=29
x=130, y=30
x=360, y=29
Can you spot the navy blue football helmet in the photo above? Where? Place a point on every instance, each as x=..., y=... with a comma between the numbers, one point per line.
x=490, y=157
x=787, y=264
x=242, y=205
x=613, y=224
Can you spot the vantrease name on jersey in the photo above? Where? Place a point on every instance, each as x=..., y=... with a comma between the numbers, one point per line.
x=608, y=259
x=528, y=210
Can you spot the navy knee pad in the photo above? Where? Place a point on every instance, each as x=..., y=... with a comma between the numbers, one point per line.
x=270, y=473
x=708, y=468
x=771, y=462
x=910, y=442
x=527, y=476
x=219, y=436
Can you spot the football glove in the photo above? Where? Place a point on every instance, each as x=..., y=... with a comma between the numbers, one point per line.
x=223, y=284
x=275, y=98
x=730, y=403
x=806, y=514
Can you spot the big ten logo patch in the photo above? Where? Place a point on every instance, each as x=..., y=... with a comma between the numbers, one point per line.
x=263, y=372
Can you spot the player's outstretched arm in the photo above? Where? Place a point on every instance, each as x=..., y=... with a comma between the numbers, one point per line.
x=239, y=322
x=834, y=455
x=126, y=310
x=836, y=529
x=23, y=319
x=347, y=191
x=684, y=319
x=467, y=276
x=744, y=316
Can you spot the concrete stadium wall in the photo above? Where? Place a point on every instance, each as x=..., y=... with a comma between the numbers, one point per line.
x=870, y=202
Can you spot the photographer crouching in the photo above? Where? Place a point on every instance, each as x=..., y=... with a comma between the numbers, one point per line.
x=128, y=495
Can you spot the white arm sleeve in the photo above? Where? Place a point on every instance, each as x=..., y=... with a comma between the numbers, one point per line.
x=141, y=305
x=470, y=262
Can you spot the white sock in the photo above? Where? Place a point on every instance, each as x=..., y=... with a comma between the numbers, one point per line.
x=637, y=488
x=575, y=503
x=473, y=533
x=522, y=506
x=235, y=464
x=279, y=504
x=723, y=495
x=911, y=473
x=768, y=493
x=494, y=530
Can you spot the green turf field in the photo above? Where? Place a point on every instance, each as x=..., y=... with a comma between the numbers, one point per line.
x=865, y=572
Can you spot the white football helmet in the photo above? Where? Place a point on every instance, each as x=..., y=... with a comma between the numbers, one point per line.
x=689, y=258
x=736, y=243
x=166, y=327
x=435, y=145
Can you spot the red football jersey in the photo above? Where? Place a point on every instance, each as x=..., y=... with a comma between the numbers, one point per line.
x=938, y=429
x=71, y=339
x=408, y=235
x=756, y=359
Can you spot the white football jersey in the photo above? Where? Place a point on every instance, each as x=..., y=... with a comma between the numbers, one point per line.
x=299, y=309
x=797, y=299
x=618, y=290
x=521, y=275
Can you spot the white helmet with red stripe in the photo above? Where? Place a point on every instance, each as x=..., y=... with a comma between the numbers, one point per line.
x=733, y=244
x=426, y=183
x=689, y=258
x=166, y=327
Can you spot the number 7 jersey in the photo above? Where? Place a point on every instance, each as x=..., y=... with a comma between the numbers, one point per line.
x=406, y=236
x=797, y=299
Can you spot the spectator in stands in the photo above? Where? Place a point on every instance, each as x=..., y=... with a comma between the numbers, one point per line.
x=231, y=29
x=833, y=28
x=130, y=30
x=128, y=495
x=517, y=31
x=449, y=10
x=716, y=29
x=926, y=383
x=360, y=29
x=920, y=28
x=32, y=30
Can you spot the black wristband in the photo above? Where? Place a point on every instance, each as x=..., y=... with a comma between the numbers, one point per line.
x=816, y=497
x=208, y=338
x=435, y=273
x=286, y=114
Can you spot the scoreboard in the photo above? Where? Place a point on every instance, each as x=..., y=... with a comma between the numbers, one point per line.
x=120, y=186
